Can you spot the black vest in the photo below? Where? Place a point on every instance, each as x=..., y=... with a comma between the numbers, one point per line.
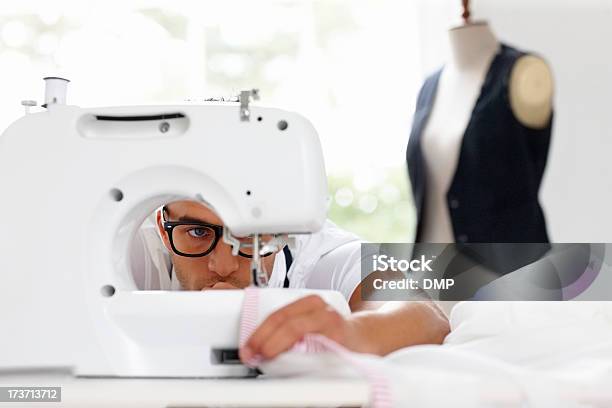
x=493, y=196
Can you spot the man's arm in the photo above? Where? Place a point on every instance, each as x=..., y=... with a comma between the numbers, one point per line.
x=383, y=327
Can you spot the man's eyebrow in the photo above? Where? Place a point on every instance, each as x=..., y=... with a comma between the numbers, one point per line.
x=187, y=218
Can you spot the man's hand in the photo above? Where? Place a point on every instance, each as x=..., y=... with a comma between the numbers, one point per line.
x=288, y=325
x=373, y=327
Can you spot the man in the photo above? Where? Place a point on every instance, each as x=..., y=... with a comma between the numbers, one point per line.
x=199, y=259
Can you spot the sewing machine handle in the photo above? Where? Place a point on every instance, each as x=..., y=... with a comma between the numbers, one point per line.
x=132, y=126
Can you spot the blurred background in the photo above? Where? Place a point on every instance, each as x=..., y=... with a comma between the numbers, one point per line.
x=331, y=61
x=353, y=67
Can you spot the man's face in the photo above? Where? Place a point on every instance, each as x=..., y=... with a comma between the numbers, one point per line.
x=217, y=270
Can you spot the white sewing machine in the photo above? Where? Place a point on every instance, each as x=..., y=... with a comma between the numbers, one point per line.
x=77, y=183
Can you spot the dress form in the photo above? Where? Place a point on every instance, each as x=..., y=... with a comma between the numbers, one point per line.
x=473, y=47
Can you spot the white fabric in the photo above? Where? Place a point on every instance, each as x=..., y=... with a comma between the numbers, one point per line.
x=536, y=354
x=499, y=354
x=328, y=259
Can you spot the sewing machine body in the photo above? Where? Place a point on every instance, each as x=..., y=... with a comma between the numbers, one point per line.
x=76, y=185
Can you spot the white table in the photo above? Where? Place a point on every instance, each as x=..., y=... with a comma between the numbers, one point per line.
x=200, y=393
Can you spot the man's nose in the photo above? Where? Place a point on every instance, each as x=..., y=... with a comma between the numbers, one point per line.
x=221, y=260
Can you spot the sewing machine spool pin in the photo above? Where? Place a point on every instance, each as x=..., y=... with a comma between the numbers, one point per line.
x=28, y=104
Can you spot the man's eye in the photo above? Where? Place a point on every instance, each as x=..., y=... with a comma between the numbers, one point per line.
x=198, y=232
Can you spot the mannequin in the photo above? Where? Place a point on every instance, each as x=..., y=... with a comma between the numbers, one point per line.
x=530, y=90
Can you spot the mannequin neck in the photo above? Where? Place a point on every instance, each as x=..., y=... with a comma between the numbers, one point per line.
x=471, y=44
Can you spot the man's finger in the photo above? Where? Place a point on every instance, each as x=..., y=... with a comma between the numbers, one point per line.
x=324, y=321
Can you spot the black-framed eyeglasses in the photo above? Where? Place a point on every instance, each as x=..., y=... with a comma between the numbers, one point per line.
x=196, y=239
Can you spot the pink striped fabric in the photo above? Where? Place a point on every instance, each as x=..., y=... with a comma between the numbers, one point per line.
x=380, y=391
x=248, y=321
